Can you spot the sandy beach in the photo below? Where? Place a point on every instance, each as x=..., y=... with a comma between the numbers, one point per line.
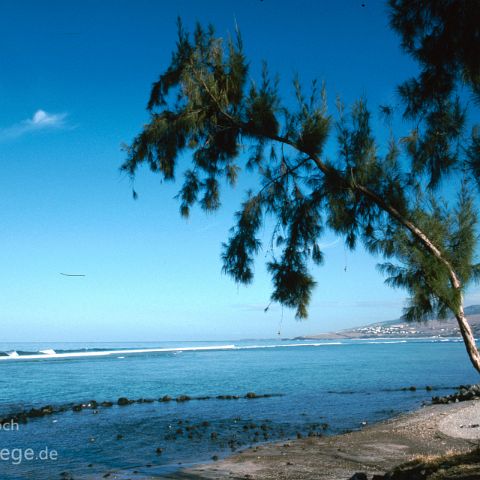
x=432, y=430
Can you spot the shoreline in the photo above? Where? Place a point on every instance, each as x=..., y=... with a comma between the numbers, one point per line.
x=375, y=449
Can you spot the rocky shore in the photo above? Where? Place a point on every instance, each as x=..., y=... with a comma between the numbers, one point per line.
x=424, y=445
x=416, y=446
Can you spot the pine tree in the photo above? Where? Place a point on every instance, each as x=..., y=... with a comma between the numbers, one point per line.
x=203, y=104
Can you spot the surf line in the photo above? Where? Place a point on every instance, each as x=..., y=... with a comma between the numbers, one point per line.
x=51, y=354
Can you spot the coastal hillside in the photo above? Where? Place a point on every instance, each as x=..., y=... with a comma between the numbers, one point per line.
x=402, y=329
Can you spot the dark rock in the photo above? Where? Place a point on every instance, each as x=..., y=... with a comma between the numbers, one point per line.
x=107, y=404
x=122, y=401
x=119, y=436
x=215, y=458
x=465, y=393
x=159, y=451
x=22, y=418
x=165, y=398
x=214, y=435
x=183, y=398
x=77, y=408
x=251, y=395
x=35, y=413
x=359, y=476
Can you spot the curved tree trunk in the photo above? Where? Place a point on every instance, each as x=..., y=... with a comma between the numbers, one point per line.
x=468, y=338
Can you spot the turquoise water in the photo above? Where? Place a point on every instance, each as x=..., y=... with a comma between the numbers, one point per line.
x=341, y=384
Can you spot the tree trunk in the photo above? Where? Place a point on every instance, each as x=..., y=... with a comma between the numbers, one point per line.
x=468, y=338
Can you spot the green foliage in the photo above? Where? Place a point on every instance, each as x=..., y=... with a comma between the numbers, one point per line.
x=443, y=38
x=243, y=244
x=435, y=150
x=202, y=81
x=203, y=105
x=427, y=280
x=261, y=106
x=473, y=154
x=311, y=124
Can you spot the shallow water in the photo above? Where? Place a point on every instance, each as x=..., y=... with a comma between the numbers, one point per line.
x=341, y=384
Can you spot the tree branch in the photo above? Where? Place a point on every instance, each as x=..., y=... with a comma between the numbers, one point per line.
x=375, y=198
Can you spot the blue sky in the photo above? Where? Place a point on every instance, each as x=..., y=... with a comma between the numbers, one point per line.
x=75, y=80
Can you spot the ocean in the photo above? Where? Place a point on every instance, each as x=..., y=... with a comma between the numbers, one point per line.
x=300, y=388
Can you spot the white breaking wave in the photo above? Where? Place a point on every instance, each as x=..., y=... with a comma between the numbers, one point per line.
x=383, y=343
x=51, y=354
x=106, y=353
x=288, y=345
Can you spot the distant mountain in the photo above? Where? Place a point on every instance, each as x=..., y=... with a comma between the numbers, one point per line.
x=472, y=310
x=401, y=329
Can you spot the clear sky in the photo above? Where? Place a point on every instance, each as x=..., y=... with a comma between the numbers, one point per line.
x=75, y=79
